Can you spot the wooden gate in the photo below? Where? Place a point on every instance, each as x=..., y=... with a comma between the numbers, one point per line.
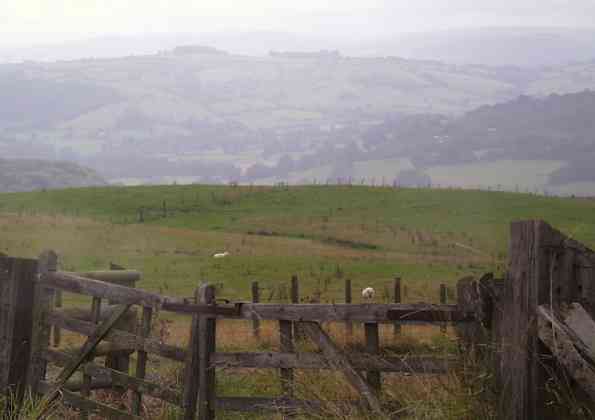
x=105, y=328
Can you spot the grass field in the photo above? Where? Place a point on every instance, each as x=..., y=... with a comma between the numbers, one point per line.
x=322, y=234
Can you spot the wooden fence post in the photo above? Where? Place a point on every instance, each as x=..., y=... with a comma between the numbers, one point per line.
x=534, y=248
x=207, y=347
x=40, y=337
x=191, y=366
x=17, y=282
x=255, y=320
x=373, y=347
x=348, y=300
x=443, y=300
x=142, y=357
x=397, y=299
x=120, y=361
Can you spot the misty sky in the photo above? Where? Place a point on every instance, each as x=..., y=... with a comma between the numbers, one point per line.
x=28, y=22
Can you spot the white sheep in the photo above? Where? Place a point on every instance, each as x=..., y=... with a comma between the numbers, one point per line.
x=368, y=293
x=221, y=255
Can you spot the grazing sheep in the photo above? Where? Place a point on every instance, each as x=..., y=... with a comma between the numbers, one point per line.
x=368, y=293
x=221, y=255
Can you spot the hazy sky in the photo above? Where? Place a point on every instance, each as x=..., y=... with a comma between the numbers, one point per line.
x=26, y=22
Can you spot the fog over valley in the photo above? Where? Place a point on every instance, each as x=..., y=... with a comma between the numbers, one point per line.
x=452, y=105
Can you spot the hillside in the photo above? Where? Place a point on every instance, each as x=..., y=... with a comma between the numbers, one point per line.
x=28, y=175
x=203, y=115
x=323, y=234
x=535, y=143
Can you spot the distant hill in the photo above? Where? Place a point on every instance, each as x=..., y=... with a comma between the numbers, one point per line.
x=201, y=115
x=28, y=175
x=556, y=127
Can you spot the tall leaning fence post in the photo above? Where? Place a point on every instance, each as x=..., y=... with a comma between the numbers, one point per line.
x=42, y=306
x=523, y=377
x=17, y=283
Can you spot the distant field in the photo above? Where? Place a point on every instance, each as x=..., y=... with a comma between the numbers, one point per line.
x=323, y=234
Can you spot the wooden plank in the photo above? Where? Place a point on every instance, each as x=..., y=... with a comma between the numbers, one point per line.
x=410, y=364
x=121, y=338
x=255, y=299
x=397, y=300
x=74, y=400
x=40, y=338
x=191, y=367
x=373, y=348
x=340, y=362
x=101, y=331
x=404, y=313
x=89, y=287
x=141, y=361
x=126, y=295
x=116, y=377
x=126, y=278
x=567, y=345
x=207, y=347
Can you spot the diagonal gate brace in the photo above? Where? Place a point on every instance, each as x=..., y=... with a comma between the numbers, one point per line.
x=336, y=359
x=94, y=339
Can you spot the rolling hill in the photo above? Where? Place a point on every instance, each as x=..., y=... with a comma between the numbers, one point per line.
x=200, y=114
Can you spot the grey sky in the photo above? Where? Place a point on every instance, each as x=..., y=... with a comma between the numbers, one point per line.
x=27, y=22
